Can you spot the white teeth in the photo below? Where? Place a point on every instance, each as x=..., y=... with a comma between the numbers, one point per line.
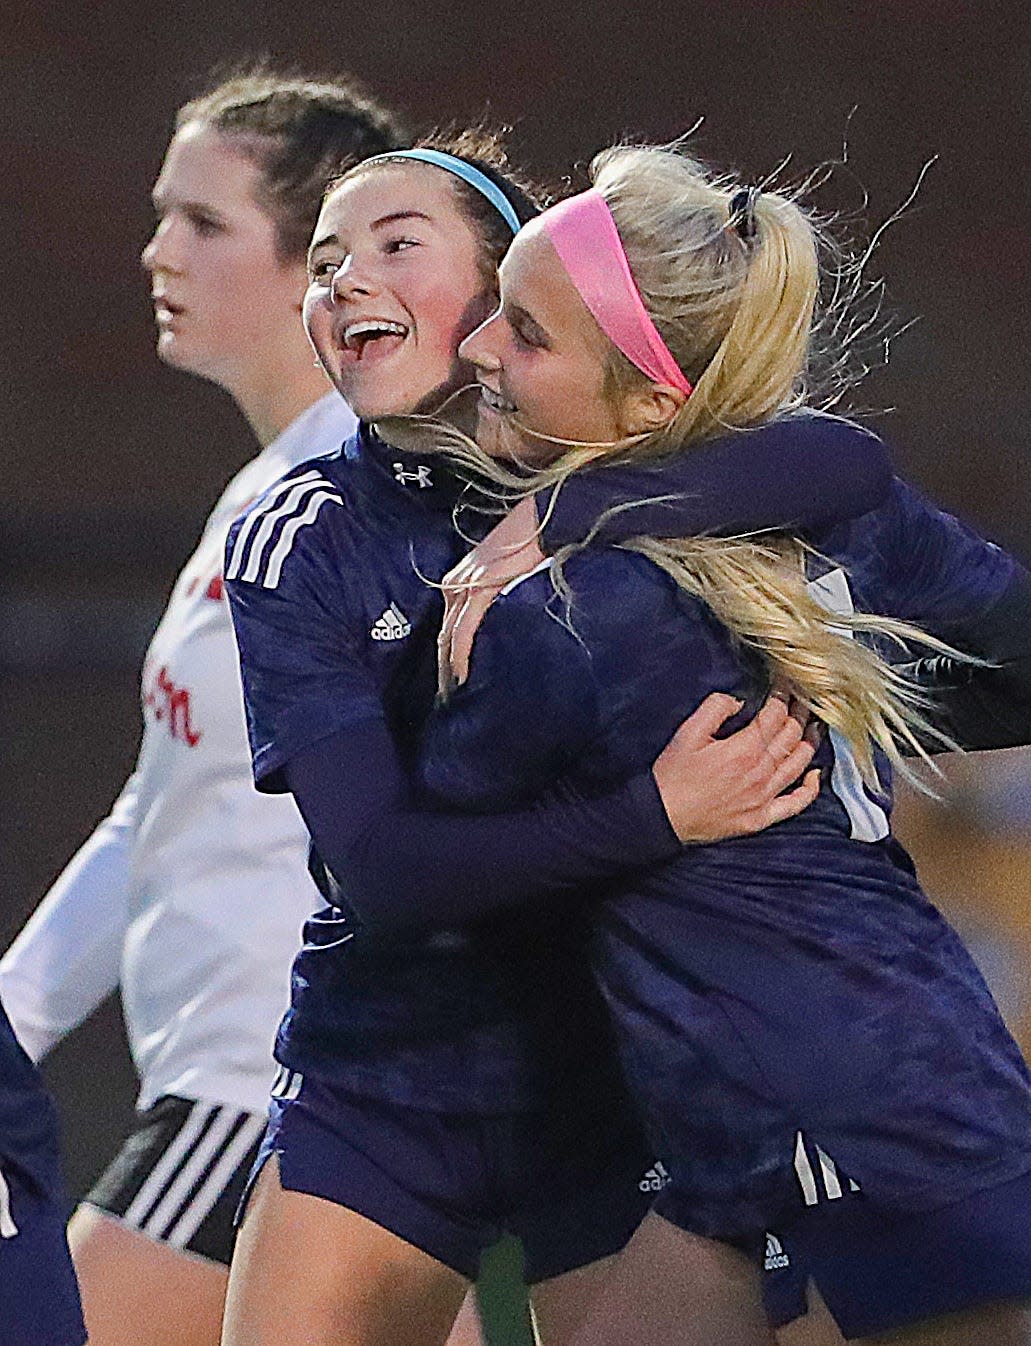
x=374, y=327
x=494, y=400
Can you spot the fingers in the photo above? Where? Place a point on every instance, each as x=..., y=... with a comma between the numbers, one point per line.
x=703, y=723
x=771, y=718
x=786, y=739
x=791, y=768
x=464, y=628
x=787, y=806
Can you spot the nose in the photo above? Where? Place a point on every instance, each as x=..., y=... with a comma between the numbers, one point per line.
x=480, y=347
x=159, y=252
x=352, y=280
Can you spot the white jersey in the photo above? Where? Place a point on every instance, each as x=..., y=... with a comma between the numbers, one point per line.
x=190, y=896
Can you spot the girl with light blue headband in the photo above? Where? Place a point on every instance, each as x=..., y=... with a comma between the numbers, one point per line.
x=438, y=1091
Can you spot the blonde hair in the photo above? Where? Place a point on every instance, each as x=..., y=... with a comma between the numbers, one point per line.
x=735, y=300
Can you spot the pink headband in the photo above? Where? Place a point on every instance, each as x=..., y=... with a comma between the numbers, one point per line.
x=585, y=237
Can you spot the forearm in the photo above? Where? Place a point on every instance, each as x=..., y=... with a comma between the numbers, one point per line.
x=398, y=867
x=805, y=472
x=67, y=958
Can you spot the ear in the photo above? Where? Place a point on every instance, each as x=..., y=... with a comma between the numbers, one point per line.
x=650, y=408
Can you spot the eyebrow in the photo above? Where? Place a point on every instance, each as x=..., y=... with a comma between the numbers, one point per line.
x=396, y=215
x=384, y=220
x=163, y=201
x=322, y=242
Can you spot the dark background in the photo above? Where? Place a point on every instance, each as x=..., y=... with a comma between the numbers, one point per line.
x=111, y=462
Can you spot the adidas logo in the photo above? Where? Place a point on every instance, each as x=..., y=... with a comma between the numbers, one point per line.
x=776, y=1258
x=655, y=1179
x=393, y=625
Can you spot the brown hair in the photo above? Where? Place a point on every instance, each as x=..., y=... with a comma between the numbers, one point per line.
x=300, y=133
x=484, y=149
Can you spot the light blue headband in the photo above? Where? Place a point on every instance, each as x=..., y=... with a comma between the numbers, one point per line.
x=450, y=163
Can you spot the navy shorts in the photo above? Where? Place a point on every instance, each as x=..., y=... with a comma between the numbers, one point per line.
x=571, y=1184
x=39, y=1295
x=880, y=1269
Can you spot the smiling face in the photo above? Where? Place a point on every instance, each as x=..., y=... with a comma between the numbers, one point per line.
x=224, y=300
x=396, y=280
x=541, y=361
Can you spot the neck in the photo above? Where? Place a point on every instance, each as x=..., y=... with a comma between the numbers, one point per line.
x=273, y=399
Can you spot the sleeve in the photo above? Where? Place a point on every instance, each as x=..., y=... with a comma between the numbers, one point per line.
x=986, y=707
x=398, y=868
x=318, y=729
x=807, y=472
x=293, y=612
x=67, y=958
x=933, y=569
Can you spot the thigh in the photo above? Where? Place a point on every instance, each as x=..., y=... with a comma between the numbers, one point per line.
x=671, y=1288
x=467, y=1329
x=562, y=1305
x=307, y=1272
x=137, y=1291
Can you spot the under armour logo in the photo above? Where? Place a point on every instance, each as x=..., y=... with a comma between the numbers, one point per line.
x=421, y=475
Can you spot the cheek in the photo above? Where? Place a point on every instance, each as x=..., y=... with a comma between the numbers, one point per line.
x=318, y=322
x=451, y=312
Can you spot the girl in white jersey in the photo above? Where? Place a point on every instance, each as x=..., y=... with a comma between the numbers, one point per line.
x=189, y=897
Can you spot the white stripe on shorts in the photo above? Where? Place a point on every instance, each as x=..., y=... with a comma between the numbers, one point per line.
x=196, y=1212
x=164, y=1170
x=831, y=1178
x=829, y=1174
x=205, y=1153
x=8, y=1228
x=287, y=1084
x=804, y=1172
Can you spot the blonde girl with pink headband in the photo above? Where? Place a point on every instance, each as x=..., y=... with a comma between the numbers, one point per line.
x=827, y=1082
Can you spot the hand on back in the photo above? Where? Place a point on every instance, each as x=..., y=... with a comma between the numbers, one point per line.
x=716, y=788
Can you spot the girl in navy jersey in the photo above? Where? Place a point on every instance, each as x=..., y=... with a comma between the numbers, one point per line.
x=39, y=1297
x=825, y=1076
x=426, y=1101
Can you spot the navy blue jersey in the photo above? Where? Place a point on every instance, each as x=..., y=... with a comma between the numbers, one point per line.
x=331, y=581
x=793, y=981
x=330, y=577
x=28, y=1120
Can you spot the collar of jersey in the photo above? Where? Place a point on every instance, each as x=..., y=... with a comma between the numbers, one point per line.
x=392, y=474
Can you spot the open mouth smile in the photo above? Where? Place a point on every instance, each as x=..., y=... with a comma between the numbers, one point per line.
x=368, y=335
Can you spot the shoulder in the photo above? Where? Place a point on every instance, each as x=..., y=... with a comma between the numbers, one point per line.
x=598, y=580
x=913, y=559
x=599, y=597
x=287, y=525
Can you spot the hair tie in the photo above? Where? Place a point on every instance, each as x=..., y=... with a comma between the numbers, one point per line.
x=742, y=213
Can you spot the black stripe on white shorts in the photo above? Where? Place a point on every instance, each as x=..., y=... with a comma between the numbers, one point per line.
x=180, y=1174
